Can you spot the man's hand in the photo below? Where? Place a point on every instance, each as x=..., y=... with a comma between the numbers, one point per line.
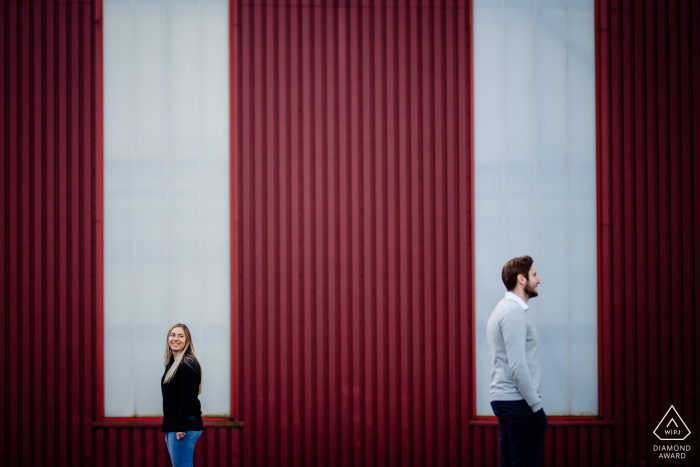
x=180, y=435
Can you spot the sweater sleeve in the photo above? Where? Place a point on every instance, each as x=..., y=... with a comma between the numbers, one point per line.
x=514, y=329
x=189, y=388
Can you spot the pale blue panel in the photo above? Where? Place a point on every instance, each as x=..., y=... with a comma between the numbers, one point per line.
x=215, y=235
x=489, y=104
x=582, y=200
x=535, y=185
x=184, y=139
x=551, y=257
x=150, y=122
x=167, y=214
x=118, y=203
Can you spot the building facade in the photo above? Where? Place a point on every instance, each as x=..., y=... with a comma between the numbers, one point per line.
x=352, y=245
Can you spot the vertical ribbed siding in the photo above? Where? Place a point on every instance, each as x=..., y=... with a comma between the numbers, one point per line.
x=649, y=126
x=354, y=233
x=355, y=239
x=49, y=226
x=47, y=233
x=145, y=446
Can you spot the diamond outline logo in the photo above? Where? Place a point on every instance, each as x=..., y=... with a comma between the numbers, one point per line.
x=673, y=420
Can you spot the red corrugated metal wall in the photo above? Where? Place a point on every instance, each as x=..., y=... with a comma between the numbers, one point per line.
x=354, y=240
x=353, y=236
x=47, y=284
x=49, y=224
x=649, y=59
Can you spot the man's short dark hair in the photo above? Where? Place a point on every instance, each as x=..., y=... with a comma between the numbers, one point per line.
x=519, y=265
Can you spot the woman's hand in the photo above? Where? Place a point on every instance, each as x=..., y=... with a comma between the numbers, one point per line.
x=180, y=435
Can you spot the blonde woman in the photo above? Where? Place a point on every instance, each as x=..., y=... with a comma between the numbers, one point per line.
x=180, y=385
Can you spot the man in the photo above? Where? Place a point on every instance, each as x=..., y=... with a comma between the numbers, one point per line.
x=515, y=368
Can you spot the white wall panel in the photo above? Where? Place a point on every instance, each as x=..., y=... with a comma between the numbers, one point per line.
x=535, y=185
x=166, y=197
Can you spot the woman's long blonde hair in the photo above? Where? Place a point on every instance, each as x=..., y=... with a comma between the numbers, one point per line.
x=188, y=355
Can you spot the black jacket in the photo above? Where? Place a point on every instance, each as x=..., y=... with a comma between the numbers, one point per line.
x=181, y=408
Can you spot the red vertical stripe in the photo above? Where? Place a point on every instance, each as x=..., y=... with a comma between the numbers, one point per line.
x=4, y=217
x=640, y=214
x=695, y=149
x=36, y=416
x=11, y=230
x=234, y=28
x=402, y=171
x=686, y=184
x=24, y=244
x=627, y=299
x=604, y=61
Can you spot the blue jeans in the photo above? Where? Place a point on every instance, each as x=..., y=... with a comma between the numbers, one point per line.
x=182, y=451
x=522, y=433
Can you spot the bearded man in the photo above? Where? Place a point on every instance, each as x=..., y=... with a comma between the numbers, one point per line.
x=515, y=368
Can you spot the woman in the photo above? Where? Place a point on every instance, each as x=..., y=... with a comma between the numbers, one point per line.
x=180, y=385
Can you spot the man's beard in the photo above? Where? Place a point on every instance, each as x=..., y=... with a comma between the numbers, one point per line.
x=531, y=292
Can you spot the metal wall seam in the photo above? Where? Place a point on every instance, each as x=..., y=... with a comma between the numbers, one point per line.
x=10, y=226
x=685, y=213
x=691, y=224
x=694, y=227
x=641, y=212
x=4, y=218
x=650, y=127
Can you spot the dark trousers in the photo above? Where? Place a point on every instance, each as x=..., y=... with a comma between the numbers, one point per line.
x=522, y=433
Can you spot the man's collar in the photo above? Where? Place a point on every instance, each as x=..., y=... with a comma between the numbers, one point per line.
x=518, y=300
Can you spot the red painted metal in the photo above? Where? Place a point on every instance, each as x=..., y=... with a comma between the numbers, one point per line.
x=353, y=255
x=233, y=182
x=599, y=207
x=51, y=294
x=99, y=214
x=355, y=234
x=647, y=155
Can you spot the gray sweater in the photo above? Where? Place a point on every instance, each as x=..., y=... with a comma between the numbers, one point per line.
x=515, y=355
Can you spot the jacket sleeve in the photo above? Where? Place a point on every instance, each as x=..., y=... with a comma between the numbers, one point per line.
x=189, y=389
x=514, y=329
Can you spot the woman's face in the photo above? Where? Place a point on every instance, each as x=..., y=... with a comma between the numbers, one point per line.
x=176, y=340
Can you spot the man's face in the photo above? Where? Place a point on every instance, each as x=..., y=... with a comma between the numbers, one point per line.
x=532, y=282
